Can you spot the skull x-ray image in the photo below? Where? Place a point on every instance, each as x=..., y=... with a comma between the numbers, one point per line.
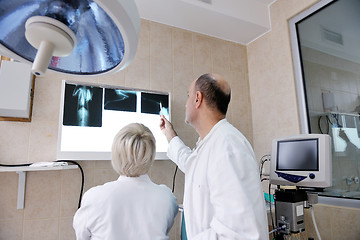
x=120, y=100
x=151, y=103
x=82, y=106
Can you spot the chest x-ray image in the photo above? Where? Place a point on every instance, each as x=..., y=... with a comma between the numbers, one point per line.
x=82, y=106
x=120, y=100
x=154, y=103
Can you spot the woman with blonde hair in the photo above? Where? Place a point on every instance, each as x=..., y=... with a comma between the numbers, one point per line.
x=132, y=207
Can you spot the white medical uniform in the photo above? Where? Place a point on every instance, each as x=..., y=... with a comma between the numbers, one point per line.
x=130, y=208
x=223, y=196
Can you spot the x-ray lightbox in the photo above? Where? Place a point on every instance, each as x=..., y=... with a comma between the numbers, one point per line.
x=91, y=116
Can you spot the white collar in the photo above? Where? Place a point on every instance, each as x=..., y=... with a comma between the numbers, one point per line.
x=200, y=141
x=142, y=178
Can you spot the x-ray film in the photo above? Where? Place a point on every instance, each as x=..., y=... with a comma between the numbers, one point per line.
x=82, y=106
x=120, y=100
x=92, y=116
x=150, y=103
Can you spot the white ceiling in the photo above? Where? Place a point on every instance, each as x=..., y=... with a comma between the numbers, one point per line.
x=342, y=18
x=240, y=21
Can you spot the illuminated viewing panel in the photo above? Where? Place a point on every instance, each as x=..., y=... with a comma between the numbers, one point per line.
x=91, y=116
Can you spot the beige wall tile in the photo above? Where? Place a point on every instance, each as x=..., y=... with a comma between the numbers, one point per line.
x=114, y=79
x=103, y=164
x=323, y=215
x=161, y=58
x=102, y=176
x=47, y=99
x=70, y=192
x=89, y=174
x=41, y=229
x=183, y=61
x=14, y=139
x=220, y=55
x=8, y=199
x=11, y=229
x=42, y=198
x=345, y=223
x=43, y=141
x=87, y=164
x=137, y=75
x=162, y=172
x=66, y=230
x=202, y=54
x=238, y=57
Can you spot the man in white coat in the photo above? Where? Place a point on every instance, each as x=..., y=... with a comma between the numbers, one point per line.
x=223, y=197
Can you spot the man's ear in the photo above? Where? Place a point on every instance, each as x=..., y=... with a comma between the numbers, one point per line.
x=198, y=99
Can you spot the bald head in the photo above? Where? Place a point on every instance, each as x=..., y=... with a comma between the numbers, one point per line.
x=216, y=91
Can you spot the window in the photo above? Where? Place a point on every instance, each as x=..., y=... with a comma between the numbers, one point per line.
x=325, y=42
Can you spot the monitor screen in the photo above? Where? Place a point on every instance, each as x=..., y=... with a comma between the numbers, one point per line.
x=298, y=155
x=92, y=115
x=302, y=160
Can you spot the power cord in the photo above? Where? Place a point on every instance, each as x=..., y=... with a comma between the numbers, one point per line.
x=173, y=185
x=277, y=229
x=15, y=165
x=69, y=161
x=271, y=216
x=82, y=178
x=264, y=159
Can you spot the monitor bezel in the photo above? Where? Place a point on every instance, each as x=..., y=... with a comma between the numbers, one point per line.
x=323, y=176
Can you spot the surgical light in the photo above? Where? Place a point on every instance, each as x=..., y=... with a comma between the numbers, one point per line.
x=78, y=37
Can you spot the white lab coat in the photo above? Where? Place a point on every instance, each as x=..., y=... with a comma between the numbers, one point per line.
x=223, y=196
x=127, y=209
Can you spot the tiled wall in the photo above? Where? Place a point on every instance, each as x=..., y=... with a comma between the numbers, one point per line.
x=168, y=59
x=275, y=114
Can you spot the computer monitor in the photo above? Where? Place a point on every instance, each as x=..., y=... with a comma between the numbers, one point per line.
x=302, y=160
x=92, y=114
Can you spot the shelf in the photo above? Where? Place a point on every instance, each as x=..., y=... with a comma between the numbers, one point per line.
x=22, y=178
x=315, y=113
x=31, y=169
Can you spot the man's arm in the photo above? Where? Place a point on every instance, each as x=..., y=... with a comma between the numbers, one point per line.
x=178, y=152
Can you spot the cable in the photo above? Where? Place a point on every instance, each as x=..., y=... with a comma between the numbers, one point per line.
x=173, y=186
x=69, y=161
x=277, y=229
x=313, y=218
x=82, y=178
x=262, y=162
x=319, y=124
x=272, y=220
x=15, y=165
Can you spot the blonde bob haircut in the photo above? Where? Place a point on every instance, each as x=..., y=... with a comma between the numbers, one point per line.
x=133, y=150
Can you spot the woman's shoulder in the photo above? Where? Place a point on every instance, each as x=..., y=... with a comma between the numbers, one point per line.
x=99, y=191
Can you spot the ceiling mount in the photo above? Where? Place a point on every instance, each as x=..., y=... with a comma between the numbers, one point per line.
x=51, y=37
